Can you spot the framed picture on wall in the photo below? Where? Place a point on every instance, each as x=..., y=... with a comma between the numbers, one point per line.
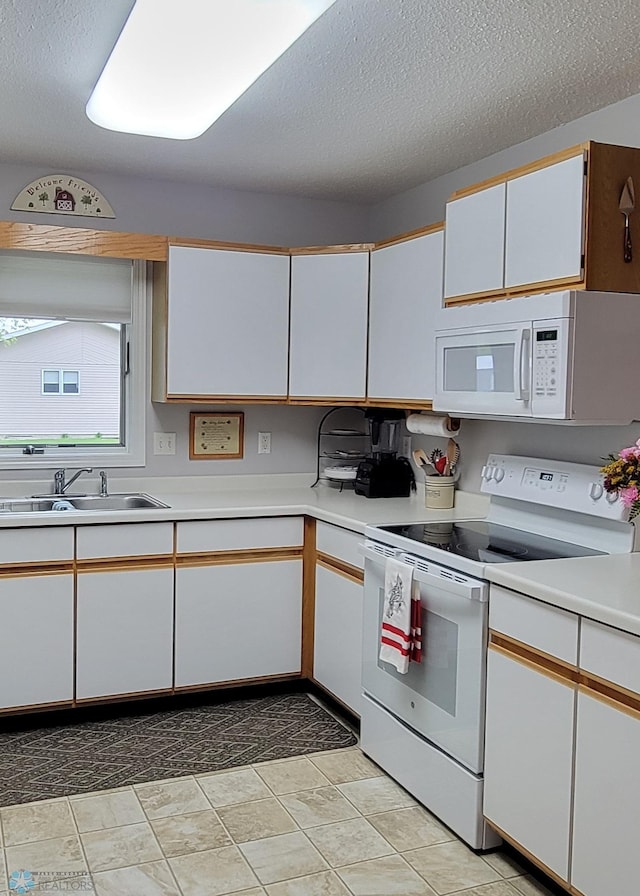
x=216, y=436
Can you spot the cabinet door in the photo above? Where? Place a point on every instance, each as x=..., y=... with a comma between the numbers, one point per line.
x=545, y=224
x=406, y=295
x=607, y=796
x=36, y=661
x=238, y=621
x=337, y=650
x=124, y=632
x=329, y=299
x=474, y=243
x=228, y=323
x=528, y=759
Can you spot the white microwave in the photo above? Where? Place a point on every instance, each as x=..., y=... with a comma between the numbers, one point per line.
x=569, y=356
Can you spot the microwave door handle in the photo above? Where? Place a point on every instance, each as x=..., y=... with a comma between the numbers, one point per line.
x=523, y=391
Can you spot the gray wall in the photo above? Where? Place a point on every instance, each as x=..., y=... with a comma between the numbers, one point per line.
x=425, y=204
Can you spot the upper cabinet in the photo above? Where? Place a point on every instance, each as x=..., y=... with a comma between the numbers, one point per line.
x=221, y=325
x=406, y=294
x=548, y=225
x=329, y=308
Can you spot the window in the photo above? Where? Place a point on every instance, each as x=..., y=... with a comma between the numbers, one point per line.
x=58, y=382
x=72, y=360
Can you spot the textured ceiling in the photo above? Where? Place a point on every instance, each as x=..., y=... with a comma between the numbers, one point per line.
x=378, y=96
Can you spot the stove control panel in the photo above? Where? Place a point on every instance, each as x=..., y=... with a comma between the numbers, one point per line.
x=576, y=487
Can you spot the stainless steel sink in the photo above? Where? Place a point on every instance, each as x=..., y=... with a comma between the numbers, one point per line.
x=59, y=504
x=113, y=502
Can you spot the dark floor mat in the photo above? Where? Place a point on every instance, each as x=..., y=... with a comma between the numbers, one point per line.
x=58, y=760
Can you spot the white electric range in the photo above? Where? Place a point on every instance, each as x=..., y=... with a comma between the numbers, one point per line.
x=426, y=727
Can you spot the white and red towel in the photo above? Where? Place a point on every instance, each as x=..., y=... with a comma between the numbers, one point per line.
x=401, y=635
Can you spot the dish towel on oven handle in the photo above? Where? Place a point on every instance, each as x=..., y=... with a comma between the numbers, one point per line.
x=401, y=634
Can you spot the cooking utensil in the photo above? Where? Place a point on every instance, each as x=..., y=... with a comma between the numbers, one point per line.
x=420, y=457
x=452, y=457
x=626, y=205
x=441, y=465
x=434, y=455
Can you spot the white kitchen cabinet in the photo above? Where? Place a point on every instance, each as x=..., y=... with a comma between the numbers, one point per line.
x=337, y=657
x=607, y=796
x=124, y=631
x=224, y=331
x=545, y=224
x=36, y=618
x=406, y=296
x=474, y=242
x=237, y=621
x=328, y=345
x=528, y=759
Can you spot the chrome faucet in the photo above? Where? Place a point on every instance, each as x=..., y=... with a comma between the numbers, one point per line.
x=60, y=479
x=103, y=484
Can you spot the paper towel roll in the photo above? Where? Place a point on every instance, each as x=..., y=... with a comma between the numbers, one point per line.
x=428, y=425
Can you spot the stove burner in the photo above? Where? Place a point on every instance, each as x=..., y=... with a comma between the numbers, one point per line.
x=489, y=543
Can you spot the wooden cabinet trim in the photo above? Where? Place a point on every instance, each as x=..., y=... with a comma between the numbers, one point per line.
x=186, y=243
x=521, y=170
x=120, y=564
x=308, y=597
x=409, y=235
x=332, y=250
x=23, y=570
x=226, y=558
x=226, y=399
x=340, y=567
x=530, y=856
x=534, y=659
x=614, y=695
x=103, y=243
x=516, y=292
x=236, y=683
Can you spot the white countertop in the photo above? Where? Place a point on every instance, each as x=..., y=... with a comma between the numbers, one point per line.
x=193, y=498
x=605, y=588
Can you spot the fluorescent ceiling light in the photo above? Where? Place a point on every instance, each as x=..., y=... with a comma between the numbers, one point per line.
x=179, y=64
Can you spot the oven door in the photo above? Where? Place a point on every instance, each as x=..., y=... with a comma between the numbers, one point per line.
x=484, y=370
x=441, y=698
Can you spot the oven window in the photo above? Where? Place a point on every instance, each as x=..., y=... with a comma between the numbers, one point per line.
x=436, y=677
x=479, y=368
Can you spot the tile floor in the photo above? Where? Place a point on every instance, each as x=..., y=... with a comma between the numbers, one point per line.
x=326, y=824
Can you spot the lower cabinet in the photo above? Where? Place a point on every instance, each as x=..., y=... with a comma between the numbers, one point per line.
x=529, y=754
x=238, y=621
x=36, y=660
x=562, y=742
x=337, y=653
x=124, y=632
x=124, y=609
x=337, y=638
x=36, y=616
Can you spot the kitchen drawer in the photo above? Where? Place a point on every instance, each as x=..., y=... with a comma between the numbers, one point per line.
x=41, y=545
x=537, y=624
x=610, y=654
x=124, y=540
x=339, y=543
x=205, y=536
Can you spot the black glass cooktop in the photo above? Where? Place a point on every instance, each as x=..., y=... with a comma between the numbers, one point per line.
x=488, y=542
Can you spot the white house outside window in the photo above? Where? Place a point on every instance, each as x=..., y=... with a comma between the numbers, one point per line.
x=60, y=382
x=72, y=360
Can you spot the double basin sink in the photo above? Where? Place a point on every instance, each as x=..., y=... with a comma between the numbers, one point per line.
x=61, y=503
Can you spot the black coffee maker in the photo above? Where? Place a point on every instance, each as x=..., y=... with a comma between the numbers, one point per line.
x=383, y=474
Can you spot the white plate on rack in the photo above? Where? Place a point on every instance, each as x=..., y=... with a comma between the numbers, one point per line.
x=344, y=432
x=340, y=474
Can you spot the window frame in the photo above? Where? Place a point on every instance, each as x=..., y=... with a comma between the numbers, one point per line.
x=134, y=399
x=61, y=372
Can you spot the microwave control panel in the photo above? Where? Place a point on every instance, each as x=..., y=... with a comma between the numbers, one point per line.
x=549, y=347
x=576, y=487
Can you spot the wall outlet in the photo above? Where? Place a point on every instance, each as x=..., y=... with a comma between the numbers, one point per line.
x=406, y=446
x=264, y=443
x=164, y=443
